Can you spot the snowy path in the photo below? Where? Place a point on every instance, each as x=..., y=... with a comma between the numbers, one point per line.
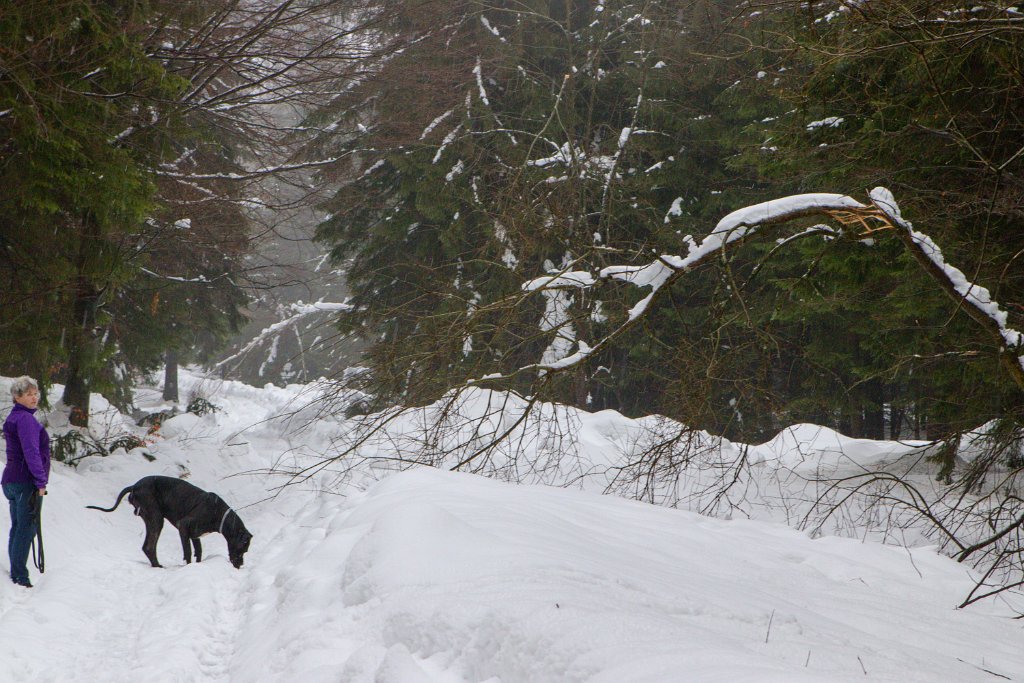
x=434, y=577
x=106, y=615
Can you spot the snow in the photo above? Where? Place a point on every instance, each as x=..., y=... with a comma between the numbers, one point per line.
x=377, y=164
x=812, y=449
x=828, y=122
x=575, y=278
x=448, y=139
x=557, y=318
x=487, y=25
x=563, y=155
x=478, y=73
x=175, y=278
x=456, y=170
x=433, y=124
x=508, y=258
x=624, y=136
x=431, y=576
x=675, y=210
x=776, y=208
x=589, y=166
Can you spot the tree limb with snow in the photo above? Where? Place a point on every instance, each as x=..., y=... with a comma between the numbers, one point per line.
x=298, y=311
x=881, y=214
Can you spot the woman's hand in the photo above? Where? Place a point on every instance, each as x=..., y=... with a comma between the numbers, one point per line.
x=42, y=492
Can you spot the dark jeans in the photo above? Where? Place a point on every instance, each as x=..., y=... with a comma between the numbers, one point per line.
x=23, y=527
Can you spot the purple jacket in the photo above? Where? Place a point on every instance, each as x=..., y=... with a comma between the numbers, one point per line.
x=28, y=449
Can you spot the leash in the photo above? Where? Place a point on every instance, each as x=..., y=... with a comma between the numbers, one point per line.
x=40, y=561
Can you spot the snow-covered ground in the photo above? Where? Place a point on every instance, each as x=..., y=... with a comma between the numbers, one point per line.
x=429, y=576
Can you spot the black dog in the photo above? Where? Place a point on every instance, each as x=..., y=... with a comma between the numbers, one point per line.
x=189, y=508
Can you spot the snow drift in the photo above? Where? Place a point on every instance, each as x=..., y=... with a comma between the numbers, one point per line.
x=372, y=576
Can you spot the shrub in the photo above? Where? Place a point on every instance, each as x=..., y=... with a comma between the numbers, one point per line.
x=200, y=406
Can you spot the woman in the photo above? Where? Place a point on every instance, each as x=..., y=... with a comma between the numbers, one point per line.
x=26, y=474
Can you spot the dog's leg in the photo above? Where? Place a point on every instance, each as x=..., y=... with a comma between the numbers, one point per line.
x=199, y=548
x=154, y=525
x=186, y=547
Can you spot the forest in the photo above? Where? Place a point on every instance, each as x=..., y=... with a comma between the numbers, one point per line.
x=585, y=135
x=477, y=165
x=469, y=147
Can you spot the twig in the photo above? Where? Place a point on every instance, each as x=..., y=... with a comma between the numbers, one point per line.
x=985, y=670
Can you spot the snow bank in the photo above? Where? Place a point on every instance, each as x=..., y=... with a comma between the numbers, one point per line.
x=452, y=577
x=813, y=448
x=365, y=575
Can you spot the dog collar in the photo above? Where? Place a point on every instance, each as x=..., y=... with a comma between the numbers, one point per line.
x=222, y=519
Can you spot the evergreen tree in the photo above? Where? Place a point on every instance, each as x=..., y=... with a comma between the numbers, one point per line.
x=518, y=141
x=74, y=82
x=110, y=262
x=922, y=99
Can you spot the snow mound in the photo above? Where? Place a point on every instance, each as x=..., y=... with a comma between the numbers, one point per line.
x=452, y=577
x=813, y=448
x=430, y=576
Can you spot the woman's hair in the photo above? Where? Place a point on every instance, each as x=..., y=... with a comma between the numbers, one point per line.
x=22, y=385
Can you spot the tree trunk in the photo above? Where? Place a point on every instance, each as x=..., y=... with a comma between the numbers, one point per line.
x=171, y=376
x=81, y=355
x=82, y=337
x=855, y=415
x=874, y=411
x=896, y=416
x=845, y=424
x=934, y=430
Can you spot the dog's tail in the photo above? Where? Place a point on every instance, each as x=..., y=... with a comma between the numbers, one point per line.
x=125, y=491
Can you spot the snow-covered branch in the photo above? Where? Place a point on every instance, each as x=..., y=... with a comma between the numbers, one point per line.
x=200, y=280
x=882, y=212
x=299, y=311
x=978, y=301
x=249, y=175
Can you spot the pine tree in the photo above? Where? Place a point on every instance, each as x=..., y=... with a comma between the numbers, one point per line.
x=74, y=82
x=518, y=141
x=923, y=100
x=95, y=235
